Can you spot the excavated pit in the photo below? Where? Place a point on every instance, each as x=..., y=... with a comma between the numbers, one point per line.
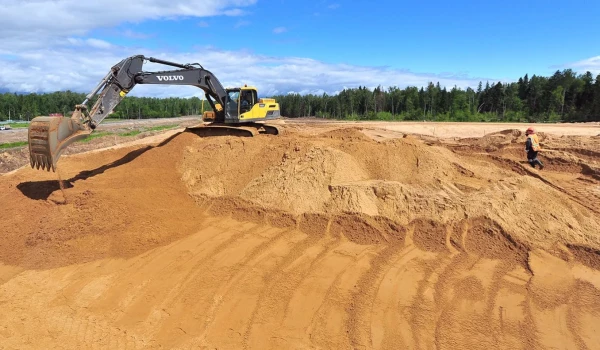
x=304, y=240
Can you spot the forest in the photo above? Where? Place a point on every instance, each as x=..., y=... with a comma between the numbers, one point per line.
x=563, y=97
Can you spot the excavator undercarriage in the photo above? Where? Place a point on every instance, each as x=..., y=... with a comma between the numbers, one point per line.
x=246, y=129
x=235, y=111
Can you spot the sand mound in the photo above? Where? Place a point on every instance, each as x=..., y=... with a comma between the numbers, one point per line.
x=499, y=140
x=13, y=158
x=301, y=184
x=223, y=166
x=345, y=134
x=281, y=180
x=486, y=238
x=507, y=132
x=400, y=179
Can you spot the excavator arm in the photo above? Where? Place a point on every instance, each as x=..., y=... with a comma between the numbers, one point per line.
x=49, y=136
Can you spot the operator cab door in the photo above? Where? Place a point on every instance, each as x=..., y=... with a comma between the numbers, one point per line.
x=232, y=105
x=248, y=99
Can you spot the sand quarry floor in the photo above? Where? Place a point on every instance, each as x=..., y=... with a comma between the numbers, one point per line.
x=330, y=236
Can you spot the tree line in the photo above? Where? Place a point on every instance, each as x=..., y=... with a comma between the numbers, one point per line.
x=28, y=106
x=564, y=96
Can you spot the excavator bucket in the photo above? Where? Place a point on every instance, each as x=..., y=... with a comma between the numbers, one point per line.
x=49, y=136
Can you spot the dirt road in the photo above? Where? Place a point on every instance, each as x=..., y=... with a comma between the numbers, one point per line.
x=327, y=237
x=16, y=135
x=106, y=135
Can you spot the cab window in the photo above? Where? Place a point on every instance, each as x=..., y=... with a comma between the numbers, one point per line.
x=232, y=102
x=247, y=100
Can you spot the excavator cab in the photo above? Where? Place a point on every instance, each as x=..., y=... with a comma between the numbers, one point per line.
x=249, y=108
x=244, y=106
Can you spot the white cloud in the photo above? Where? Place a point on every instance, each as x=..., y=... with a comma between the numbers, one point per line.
x=39, y=23
x=333, y=6
x=91, y=42
x=99, y=44
x=64, y=17
x=42, y=55
x=591, y=64
x=279, y=30
x=234, y=12
x=81, y=67
x=135, y=35
x=241, y=24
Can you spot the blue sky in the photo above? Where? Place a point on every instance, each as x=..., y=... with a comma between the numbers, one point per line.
x=487, y=39
x=318, y=46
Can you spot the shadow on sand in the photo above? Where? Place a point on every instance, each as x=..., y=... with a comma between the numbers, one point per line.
x=41, y=190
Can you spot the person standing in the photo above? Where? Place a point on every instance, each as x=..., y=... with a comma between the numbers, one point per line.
x=532, y=146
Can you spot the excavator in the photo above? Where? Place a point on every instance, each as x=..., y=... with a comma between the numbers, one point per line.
x=235, y=111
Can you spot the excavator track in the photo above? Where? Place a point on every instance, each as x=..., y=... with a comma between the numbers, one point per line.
x=245, y=129
x=272, y=129
x=222, y=130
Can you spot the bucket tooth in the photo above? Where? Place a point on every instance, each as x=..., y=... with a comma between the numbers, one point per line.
x=39, y=162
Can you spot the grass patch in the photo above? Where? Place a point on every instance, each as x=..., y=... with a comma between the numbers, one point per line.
x=162, y=127
x=18, y=125
x=13, y=144
x=96, y=135
x=112, y=120
x=154, y=128
x=128, y=133
x=131, y=133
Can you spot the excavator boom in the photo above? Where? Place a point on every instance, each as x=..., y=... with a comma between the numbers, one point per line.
x=49, y=136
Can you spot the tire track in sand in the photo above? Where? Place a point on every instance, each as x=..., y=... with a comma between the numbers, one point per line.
x=205, y=281
x=361, y=301
x=327, y=326
x=389, y=323
x=273, y=304
x=163, y=273
x=315, y=292
x=155, y=278
x=236, y=297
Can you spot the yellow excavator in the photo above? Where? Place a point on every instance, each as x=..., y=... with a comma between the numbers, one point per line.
x=244, y=114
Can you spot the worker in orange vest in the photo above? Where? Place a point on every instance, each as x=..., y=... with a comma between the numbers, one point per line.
x=532, y=146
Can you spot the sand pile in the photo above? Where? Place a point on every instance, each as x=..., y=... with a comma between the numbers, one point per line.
x=290, y=180
x=302, y=184
x=345, y=172
x=125, y=202
x=13, y=158
x=499, y=140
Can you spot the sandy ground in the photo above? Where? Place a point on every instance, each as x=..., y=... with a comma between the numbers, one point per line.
x=455, y=129
x=330, y=236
